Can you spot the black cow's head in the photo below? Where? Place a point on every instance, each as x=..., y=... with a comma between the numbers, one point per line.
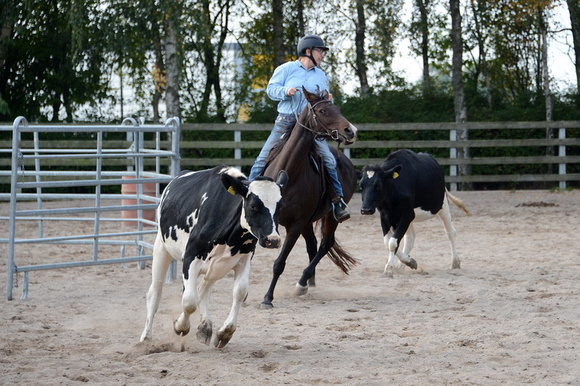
x=261, y=202
x=375, y=183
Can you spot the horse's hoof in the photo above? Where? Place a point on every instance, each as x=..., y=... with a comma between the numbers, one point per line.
x=266, y=305
x=456, y=265
x=301, y=290
x=412, y=264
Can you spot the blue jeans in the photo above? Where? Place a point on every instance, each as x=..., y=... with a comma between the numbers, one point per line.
x=283, y=123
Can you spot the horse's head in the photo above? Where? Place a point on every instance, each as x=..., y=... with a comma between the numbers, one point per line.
x=324, y=118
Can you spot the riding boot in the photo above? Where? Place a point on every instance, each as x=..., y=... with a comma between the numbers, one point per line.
x=340, y=209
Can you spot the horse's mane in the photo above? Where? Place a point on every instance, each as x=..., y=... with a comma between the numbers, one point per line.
x=282, y=141
x=279, y=145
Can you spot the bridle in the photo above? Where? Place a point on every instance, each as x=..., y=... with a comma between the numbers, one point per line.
x=332, y=134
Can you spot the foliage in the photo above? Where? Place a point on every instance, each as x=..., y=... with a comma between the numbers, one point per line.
x=62, y=56
x=52, y=59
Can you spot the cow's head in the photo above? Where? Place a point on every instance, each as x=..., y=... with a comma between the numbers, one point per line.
x=261, y=203
x=375, y=183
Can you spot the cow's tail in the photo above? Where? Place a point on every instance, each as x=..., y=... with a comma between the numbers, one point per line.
x=457, y=201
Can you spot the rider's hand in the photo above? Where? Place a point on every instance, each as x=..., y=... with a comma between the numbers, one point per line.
x=291, y=91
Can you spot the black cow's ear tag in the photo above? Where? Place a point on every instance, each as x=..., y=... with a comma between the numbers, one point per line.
x=231, y=190
x=395, y=175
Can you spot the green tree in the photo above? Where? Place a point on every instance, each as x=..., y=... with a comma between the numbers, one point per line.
x=53, y=59
x=574, y=11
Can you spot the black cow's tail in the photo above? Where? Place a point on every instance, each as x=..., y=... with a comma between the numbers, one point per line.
x=457, y=202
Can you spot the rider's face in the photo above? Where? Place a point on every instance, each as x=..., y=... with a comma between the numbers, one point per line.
x=318, y=54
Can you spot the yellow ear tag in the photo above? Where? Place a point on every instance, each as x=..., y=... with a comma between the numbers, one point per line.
x=395, y=175
x=231, y=190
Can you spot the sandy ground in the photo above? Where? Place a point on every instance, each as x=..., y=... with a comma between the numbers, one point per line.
x=510, y=315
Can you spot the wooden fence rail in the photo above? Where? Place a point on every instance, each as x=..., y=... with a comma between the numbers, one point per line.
x=376, y=140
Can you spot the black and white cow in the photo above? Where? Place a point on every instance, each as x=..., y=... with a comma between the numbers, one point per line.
x=212, y=220
x=407, y=187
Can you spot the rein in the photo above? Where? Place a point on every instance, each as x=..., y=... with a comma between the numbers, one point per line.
x=332, y=134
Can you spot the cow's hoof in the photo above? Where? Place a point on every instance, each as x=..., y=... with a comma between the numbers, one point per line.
x=301, y=290
x=266, y=305
x=412, y=264
x=223, y=337
x=204, y=332
x=145, y=336
x=180, y=331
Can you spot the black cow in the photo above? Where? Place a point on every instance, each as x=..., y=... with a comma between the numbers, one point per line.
x=212, y=219
x=407, y=187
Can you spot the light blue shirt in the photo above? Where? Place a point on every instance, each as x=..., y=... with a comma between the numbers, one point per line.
x=294, y=74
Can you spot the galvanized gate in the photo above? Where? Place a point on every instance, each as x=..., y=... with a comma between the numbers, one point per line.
x=34, y=174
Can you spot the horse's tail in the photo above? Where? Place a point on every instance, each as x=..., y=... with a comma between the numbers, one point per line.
x=337, y=254
x=341, y=258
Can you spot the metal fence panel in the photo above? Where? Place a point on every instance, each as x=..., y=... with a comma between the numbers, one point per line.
x=33, y=181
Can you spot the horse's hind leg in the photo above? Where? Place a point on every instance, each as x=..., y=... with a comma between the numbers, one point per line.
x=311, y=249
x=327, y=242
x=279, y=265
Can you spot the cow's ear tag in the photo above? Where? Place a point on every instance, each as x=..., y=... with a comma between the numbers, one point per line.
x=231, y=190
x=395, y=175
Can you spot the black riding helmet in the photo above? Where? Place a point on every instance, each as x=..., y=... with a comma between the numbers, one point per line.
x=310, y=42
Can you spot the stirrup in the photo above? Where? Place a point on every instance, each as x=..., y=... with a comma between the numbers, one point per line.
x=341, y=206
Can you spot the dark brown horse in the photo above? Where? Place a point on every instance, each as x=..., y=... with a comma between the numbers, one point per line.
x=307, y=195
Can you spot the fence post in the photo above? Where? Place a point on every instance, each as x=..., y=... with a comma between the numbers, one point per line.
x=11, y=269
x=453, y=155
x=175, y=138
x=562, y=153
x=237, y=150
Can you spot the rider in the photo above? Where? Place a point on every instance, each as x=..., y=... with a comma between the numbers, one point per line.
x=283, y=86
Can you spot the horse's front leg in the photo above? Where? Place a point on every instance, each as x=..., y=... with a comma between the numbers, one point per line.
x=279, y=265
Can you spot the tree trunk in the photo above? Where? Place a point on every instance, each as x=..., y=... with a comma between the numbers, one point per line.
x=159, y=81
x=457, y=82
x=550, y=133
x=424, y=28
x=478, y=10
x=574, y=10
x=361, y=66
x=278, y=27
x=6, y=28
x=300, y=17
x=211, y=55
x=172, y=61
